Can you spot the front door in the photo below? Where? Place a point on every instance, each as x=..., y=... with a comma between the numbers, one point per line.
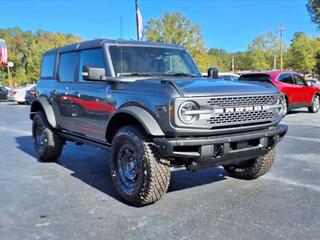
x=91, y=97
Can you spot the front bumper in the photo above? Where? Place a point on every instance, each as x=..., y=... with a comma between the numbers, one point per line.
x=223, y=149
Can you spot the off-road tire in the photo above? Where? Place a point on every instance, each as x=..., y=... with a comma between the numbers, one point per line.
x=53, y=143
x=314, y=105
x=154, y=177
x=253, y=168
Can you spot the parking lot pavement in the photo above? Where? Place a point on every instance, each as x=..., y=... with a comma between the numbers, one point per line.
x=75, y=199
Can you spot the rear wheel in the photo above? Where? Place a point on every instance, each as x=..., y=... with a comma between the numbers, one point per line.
x=47, y=143
x=315, y=105
x=21, y=103
x=139, y=173
x=253, y=168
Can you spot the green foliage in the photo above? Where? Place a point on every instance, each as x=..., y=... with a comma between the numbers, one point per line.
x=25, y=50
x=178, y=29
x=317, y=66
x=220, y=58
x=302, y=52
x=313, y=7
x=262, y=51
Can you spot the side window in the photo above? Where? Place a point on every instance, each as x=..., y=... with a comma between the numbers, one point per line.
x=286, y=78
x=67, y=66
x=298, y=80
x=91, y=58
x=47, y=66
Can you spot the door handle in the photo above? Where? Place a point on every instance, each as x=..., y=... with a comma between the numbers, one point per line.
x=77, y=94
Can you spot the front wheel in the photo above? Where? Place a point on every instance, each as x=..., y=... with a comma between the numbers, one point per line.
x=139, y=173
x=253, y=168
x=285, y=107
x=47, y=143
x=315, y=105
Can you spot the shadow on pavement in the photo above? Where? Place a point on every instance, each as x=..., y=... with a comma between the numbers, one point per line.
x=295, y=111
x=91, y=166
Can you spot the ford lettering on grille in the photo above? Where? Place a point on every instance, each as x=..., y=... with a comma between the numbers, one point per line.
x=242, y=110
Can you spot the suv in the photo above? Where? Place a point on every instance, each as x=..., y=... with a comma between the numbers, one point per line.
x=148, y=103
x=297, y=92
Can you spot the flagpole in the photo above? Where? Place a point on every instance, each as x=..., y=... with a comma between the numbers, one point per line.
x=137, y=21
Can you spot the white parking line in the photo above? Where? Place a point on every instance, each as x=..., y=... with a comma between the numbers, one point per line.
x=309, y=124
x=303, y=138
x=293, y=183
x=15, y=131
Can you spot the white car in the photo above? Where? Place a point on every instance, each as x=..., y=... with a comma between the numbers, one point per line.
x=230, y=76
x=10, y=94
x=19, y=93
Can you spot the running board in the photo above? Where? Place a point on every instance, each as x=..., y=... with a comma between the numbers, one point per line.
x=84, y=140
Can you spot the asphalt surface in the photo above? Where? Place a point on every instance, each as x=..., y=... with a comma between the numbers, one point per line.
x=75, y=199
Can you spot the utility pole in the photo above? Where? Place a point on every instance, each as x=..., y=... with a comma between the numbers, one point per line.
x=121, y=27
x=11, y=83
x=275, y=62
x=232, y=64
x=282, y=29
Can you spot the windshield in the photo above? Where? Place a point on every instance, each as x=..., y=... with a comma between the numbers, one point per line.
x=151, y=61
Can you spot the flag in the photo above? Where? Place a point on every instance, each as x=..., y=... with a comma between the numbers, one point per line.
x=140, y=25
x=139, y=22
x=3, y=52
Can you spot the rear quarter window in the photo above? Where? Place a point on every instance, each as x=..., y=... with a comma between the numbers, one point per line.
x=47, y=66
x=67, y=66
x=255, y=77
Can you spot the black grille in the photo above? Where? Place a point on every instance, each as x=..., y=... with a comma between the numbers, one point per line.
x=242, y=101
x=242, y=117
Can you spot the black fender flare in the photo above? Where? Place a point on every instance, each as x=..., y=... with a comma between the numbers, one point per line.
x=41, y=103
x=148, y=122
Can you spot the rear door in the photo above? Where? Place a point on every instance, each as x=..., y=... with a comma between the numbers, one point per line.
x=305, y=93
x=289, y=87
x=65, y=87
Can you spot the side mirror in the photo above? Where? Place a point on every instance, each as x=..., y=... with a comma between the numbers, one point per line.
x=309, y=83
x=93, y=73
x=213, y=72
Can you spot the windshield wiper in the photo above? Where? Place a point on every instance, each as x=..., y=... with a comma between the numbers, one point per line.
x=179, y=74
x=135, y=74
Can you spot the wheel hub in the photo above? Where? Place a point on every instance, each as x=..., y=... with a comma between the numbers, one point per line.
x=40, y=137
x=128, y=167
x=316, y=104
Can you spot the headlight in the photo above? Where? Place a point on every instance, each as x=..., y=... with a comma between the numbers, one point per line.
x=281, y=103
x=187, y=112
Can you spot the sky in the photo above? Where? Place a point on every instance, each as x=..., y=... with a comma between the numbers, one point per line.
x=227, y=24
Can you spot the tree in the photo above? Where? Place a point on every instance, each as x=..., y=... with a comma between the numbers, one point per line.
x=262, y=51
x=220, y=58
x=301, y=55
x=25, y=50
x=177, y=28
x=242, y=61
x=317, y=66
x=313, y=7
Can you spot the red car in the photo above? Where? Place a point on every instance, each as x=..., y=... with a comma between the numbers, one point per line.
x=298, y=92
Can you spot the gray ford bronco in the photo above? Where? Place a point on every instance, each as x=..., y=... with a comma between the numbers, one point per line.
x=148, y=103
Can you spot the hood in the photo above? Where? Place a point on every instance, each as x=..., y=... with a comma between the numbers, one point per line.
x=211, y=87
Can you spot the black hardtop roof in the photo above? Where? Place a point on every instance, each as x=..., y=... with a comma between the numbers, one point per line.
x=99, y=42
